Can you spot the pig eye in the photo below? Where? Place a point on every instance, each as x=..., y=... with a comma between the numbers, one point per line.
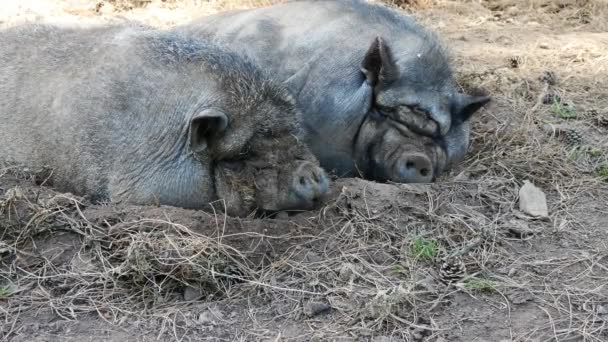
x=245, y=151
x=381, y=112
x=260, y=164
x=234, y=165
x=417, y=110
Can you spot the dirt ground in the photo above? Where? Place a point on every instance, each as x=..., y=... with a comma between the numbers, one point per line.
x=367, y=266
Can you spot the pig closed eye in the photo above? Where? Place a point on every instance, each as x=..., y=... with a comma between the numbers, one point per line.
x=245, y=151
x=380, y=113
x=419, y=112
x=260, y=164
x=234, y=165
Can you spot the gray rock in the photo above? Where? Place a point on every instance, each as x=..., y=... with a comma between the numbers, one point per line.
x=312, y=309
x=532, y=201
x=192, y=293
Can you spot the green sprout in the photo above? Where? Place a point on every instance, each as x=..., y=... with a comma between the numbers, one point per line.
x=480, y=284
x=563, y=111
x=424, y=249
x=603, y=172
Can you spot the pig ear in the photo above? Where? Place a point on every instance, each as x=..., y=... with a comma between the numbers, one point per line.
x=296, y=82
x=467, y=105
x=378, y=65
x=205, y=126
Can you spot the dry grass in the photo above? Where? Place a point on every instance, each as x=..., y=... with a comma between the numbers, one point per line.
x=366, y=265
x=355, y=255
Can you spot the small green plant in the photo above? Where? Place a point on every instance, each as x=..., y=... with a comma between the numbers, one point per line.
x=398, y=269
x=6, y=291
x=577, y=153
x=595, y=152
x=603, y=172
x=480, y=284
x=574, y=154
x=562, y=110
x=424, y=249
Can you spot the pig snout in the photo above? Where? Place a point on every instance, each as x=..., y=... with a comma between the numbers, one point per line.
x=414, y=168
x=309, y=187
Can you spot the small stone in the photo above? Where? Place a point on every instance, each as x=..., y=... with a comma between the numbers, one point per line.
x=519, y=229
x=283, y=215
x=532, y=201
x=543, y=46
x=192, y=293
x=312, y=309
x=381, y=257
x=205, y=318
x=429, y=284
x=346, y=271
x=342, y=304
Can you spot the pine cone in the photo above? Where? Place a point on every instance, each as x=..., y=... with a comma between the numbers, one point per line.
x=602, y=120
x=573, y=137
x=452, y=270
x=549, y=78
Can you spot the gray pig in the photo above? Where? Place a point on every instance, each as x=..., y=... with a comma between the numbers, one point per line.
x=126, y=113
x=376, y=89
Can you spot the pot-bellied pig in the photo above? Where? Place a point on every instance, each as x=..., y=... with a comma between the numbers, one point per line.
x=376, y=89
x=126, y=113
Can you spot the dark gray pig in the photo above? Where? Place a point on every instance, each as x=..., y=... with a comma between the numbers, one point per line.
x=376, y=89
x=126, y=113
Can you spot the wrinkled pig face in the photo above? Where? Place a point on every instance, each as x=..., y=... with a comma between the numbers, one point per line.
x=271, y=173
x=265, y=167
x=432, y=114
x=416, y=89
x=390, y=151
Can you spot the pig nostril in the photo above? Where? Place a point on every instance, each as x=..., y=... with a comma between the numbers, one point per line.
x=302, y=181
x=317, y=178
x=409, y=164
x=424, y=172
